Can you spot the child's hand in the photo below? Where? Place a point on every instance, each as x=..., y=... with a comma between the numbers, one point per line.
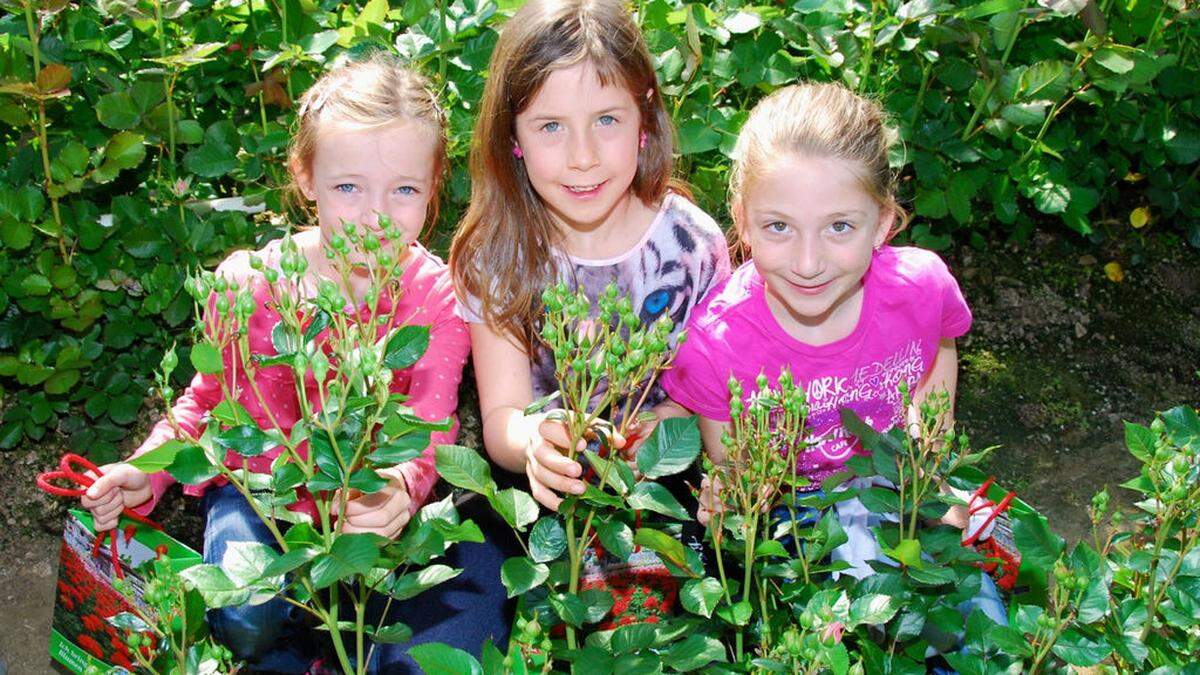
x=710, y=499
x=548, y=469
x=636, y=436
x=384, y=513
x=122, y=486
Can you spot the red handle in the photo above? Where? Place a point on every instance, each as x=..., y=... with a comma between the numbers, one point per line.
x=67, y=471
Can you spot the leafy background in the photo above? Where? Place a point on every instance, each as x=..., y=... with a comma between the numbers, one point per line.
x=123, y=121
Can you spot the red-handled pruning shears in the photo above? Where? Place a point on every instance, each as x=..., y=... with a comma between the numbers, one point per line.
x=71, y=468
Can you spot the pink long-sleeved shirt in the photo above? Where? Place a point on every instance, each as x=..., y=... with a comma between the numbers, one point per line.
x=431, y=383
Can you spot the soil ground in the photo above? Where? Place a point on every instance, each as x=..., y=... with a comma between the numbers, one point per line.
x=1057, y=358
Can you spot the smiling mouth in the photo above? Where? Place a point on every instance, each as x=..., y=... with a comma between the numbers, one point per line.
x=584, y=190
x=809, y=289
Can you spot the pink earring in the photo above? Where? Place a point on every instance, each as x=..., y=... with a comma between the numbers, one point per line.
x=517, y=151
x=642, y=140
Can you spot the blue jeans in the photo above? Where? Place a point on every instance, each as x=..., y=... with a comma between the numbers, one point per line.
x=275, y=637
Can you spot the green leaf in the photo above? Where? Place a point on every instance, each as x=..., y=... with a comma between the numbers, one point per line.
x=667, y=547
x=1025, y=114
x=570, y=608
x=742, y=22
x=396, y=633
x=1139, y=440
x=350, y=554
x=61, y=381
x=398, y=450
x=34, y=285
x=738, y=614
x=672, y=447
x=1079, y=650
x=1039, y=547
x=217, y=589
x=125, y=150
x=159, y=458
x=464, y=468
x=521, y=574
x=1182, y=425
x=700, y=596
x=1114, y=59
x=206, y=358
x=231, y=413
x=615, y=536
x=873, y=609
x=192, y=466
x=438, y=659
x=367, y=480
x=406, y=347
x=412, y=584
x=291, y=561
x=117, y=111
x=247, y=440
x=1051, y=198
x=632, y=638
x=652, y=496
x=1182, y=145
x=245, y=561
x=547, y=540
x=16, y=235
x=210, y=160
x=516, y=507
x=907, y=553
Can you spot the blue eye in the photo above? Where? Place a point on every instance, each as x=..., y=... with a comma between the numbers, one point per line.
x=346, y=188
x=607, y=120
x=551, y=127
x=655, y=304
x=841, y=227
x=777, y=227
x=406, y=190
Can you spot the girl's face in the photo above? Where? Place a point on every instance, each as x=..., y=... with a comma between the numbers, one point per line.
x=359, y=174
x=579, y=140
x=811, y=229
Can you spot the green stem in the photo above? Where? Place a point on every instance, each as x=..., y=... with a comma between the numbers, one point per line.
x=168, y=78
x=442, y=41
x=359, y=629
x=868, y=55
x=926, y=72
x=331, y=622
x=34, y=40
x=573, y=555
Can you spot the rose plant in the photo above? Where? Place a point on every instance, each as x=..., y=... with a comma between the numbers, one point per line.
x=349, y=431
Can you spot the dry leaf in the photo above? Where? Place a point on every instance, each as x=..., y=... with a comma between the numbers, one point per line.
x=1139, y=217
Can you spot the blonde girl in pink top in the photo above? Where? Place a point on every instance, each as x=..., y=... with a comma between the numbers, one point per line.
x=370, y=143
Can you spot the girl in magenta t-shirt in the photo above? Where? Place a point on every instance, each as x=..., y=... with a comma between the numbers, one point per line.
x=823, y=293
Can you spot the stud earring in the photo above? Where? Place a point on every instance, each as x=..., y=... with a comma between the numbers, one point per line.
x=642, y=140
x=517, y=151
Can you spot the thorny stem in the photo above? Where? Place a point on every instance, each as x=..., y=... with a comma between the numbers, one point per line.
x=43, y=142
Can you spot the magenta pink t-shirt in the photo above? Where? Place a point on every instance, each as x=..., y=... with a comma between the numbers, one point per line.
x=910, y=302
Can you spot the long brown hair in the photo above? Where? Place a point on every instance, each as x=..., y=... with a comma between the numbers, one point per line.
x=501, y=253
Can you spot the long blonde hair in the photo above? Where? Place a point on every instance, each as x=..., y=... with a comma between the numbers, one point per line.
x=374, y=92
x=501, y=253
x=819, y=120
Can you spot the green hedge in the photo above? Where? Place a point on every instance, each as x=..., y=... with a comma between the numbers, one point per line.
x=1014, y=115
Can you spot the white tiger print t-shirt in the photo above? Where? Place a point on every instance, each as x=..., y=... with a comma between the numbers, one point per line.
x=682, y=255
